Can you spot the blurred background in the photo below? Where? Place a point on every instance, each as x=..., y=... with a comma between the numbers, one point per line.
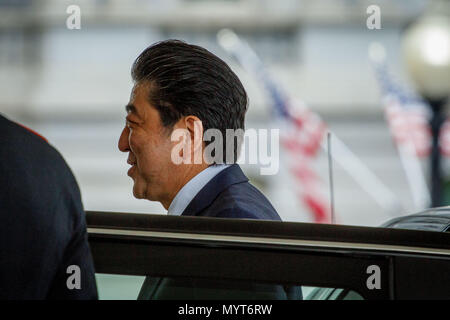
x=71, y=85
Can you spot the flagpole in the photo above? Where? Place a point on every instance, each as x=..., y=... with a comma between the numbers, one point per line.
x=426, y=53
x=368, y=181
x=330, y=171
x=436, y=123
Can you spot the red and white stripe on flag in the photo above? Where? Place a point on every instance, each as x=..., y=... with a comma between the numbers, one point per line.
x=444, y=138
x=302, y=137
x=306, y=133
x=409, y=124
x=310, y=192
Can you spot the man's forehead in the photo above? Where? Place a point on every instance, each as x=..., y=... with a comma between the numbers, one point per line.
x=140, y=89
x=134, y=93
x=137, y=97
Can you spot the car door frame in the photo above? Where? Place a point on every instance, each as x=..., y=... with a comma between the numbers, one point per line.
x=265, y=251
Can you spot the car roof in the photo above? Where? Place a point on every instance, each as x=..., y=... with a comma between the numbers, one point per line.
x=433, y=219
x=262, y=232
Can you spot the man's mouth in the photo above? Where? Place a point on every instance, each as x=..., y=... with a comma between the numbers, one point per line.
x=133, y=166
x=131, y=170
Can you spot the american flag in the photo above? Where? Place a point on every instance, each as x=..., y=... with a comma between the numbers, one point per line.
x=301, y=138
x=406, y=114
x=409, y=116
x=301, y=134
x=444, y=139
x=408, y=119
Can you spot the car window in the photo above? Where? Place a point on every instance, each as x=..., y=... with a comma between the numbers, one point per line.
x=352, y=295
x=318, y=293
x=126, y=287
x=118, y=287
x=422, y=223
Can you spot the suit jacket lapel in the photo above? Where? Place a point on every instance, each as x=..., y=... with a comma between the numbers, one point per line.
x=211, y=190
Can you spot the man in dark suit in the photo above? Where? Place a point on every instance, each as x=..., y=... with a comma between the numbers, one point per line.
x=230, y=195
x=44, y=253
x=184, y=103
x=182, y=93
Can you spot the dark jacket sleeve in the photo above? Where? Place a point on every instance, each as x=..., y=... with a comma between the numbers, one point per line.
x=75, y=276
x=42, y=222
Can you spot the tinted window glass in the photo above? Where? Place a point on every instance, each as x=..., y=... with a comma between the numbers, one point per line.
x=124, y=287
x=422, y=223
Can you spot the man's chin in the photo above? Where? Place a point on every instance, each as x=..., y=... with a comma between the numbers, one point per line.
x=138, y=194
x=141, y=193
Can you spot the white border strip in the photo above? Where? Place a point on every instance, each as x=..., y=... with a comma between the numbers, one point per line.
x=289, y=242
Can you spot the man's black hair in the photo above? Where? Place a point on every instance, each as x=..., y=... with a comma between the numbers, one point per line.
x=187, y=80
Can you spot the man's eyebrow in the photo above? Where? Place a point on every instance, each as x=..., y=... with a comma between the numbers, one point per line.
x=130, y=108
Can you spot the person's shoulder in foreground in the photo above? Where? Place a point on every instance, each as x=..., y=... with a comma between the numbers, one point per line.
x=230, y=195
x=44, y=253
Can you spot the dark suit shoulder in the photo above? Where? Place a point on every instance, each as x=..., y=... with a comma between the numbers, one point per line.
x=244, y=201
x=41, y=214
x=28, y=151
x=33, y=172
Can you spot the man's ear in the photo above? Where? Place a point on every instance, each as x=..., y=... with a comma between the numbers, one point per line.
x=195, y=128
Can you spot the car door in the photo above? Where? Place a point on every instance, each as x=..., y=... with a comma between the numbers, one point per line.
x=166, y=257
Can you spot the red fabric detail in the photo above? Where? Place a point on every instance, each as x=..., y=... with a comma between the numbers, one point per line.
x=32, y=131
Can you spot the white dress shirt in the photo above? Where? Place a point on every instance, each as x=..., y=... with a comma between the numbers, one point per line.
x=190, y=189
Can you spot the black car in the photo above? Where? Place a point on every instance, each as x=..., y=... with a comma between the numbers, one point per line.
x=435, y=219
x=136, y=255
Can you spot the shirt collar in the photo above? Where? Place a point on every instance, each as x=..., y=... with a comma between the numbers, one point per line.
x=190, y=189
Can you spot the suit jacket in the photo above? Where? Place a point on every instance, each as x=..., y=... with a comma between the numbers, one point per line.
x=227, y=195
x=230, y=195
x=42, y=222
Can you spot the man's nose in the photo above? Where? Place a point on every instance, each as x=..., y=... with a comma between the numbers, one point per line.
x=123, y=141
